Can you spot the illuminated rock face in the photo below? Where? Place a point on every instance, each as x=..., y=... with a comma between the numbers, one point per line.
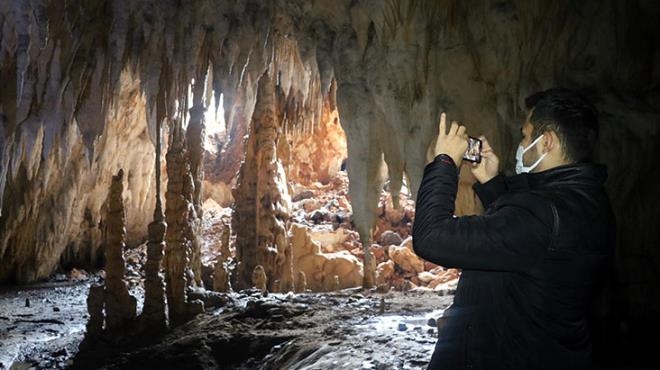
x=320, y=269
x=262, y=195
x=73, y=113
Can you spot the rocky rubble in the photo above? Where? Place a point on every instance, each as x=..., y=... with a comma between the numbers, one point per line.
x=325, y=210
x=325, y=243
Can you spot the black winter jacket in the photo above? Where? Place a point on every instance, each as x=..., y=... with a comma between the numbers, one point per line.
x=529, y=265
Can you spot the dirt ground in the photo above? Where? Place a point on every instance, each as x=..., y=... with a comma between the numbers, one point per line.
x=349, y=329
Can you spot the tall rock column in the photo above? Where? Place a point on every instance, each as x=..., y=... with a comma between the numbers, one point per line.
x=154, y=313
x=261, y=194
x=178, y=250
x=120, y=306
x=195, y=145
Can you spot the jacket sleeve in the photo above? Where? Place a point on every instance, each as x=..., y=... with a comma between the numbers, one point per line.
x=507, y=239
x=489, y=191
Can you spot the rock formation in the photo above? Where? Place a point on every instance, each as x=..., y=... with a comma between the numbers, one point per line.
x=301, y=282
x=195, y=150
x=179, y=245
x=120, y=305
x=154, y=312
x=83, y=78
x=260, y=231
x=259, y=279
x=220, y=273
x=320, y=268
x=95, y=303
x=221, y=278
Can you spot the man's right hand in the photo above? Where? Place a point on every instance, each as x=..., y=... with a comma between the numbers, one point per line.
x=489, y=166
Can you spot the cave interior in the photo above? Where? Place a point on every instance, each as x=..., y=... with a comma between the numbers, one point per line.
x=185, y=169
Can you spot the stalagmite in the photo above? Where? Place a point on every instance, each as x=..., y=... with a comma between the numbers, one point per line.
x=220, y=278
x=225, y=236
x=259, y=278
x=95, y=303
x=262, y=181
x=78, y=75
x=154, y=312
x=301, y=282
x=220, y=273
x=336, y=285
x=195, y=147
x=178, y=251
x=120, y=306
x=275, y=286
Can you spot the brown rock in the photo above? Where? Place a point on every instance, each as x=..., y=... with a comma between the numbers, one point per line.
x=406, y=259
x=389, y=237
x=384, y=271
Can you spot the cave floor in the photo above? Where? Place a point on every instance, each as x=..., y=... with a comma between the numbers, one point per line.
x=349, y=329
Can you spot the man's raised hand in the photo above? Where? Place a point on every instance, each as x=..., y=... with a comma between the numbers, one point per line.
x=454, y=143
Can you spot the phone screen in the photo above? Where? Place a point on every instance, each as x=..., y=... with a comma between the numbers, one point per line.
x=473, y=152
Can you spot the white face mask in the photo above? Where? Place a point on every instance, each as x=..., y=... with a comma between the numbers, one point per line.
x=520, y=167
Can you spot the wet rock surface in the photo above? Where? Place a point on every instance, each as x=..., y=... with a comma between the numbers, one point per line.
x=46, y=334
x=349, y=329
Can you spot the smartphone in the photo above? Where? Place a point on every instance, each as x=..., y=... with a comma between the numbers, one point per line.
x=473, y=152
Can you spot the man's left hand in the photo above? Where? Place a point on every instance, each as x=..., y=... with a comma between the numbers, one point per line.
x=454, y=143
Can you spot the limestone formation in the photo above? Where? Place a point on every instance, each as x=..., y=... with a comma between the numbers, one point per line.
x=225, y=253
x=262, y=182
x=275, y=287
x=406, y=259
x=320, y=268
x=317, y=156
x=120, y=305
x=220, y=277
x=385, y=271
x=178, y=252
x=259, y=279
x=71, y=110
x=195, y=149
x=301, y=282
x=95, y=303
x=154, y=312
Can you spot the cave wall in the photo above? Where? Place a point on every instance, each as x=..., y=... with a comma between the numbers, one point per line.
x=396, y=65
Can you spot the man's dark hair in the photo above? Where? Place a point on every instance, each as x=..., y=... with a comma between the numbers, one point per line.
x=570, y=115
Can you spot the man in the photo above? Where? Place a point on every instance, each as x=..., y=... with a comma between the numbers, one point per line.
x=531, y=263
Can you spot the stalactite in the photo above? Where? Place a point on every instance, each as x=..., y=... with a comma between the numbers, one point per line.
x=120, y=306
x=154, y=312
x=392, y=75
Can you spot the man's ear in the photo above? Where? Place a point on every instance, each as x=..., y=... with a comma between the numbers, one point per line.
x=550, y=141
